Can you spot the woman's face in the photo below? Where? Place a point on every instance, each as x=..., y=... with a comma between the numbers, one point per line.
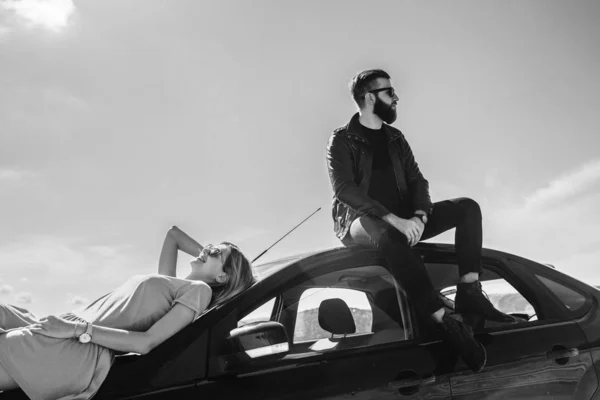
x=208, y=266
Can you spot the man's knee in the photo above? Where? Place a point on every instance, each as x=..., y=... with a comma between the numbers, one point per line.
x=392, y=239
x=470, y=208
x=366, y=231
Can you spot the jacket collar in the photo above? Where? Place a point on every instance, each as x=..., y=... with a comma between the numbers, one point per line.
x=356, y=132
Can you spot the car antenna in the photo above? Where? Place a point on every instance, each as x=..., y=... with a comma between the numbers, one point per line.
x=280, y=239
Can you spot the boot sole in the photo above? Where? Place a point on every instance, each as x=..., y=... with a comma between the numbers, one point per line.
x=484, y=359
x=476, y=317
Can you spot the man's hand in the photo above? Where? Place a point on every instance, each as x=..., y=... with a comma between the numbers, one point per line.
x=408, y=227
x=421, y=226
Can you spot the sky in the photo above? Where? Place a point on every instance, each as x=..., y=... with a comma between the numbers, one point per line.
x=119, y=119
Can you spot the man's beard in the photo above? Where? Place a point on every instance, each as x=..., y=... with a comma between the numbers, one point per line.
x=384, y=111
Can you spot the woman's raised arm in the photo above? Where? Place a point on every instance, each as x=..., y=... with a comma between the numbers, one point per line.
x=176, y=240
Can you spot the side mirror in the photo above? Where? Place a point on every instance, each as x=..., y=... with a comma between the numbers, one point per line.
x=265, y=340
x=523, y=316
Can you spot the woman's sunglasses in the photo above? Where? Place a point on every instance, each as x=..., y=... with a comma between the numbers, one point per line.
x=210, y=250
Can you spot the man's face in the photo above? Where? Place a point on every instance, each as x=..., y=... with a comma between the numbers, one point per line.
x=385, y=101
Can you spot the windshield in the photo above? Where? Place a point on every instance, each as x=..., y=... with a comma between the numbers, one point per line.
x=263, y=270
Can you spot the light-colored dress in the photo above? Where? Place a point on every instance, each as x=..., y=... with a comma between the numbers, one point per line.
x=48, y=368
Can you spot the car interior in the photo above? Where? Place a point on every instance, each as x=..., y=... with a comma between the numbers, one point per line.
x=337, y=321
x=388, y=316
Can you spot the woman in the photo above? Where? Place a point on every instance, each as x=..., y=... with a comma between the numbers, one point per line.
x=68, y=357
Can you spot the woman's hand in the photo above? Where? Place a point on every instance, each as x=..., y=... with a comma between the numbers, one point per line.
x=55, y=327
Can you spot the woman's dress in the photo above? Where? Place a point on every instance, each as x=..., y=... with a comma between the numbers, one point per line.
x=65, y=369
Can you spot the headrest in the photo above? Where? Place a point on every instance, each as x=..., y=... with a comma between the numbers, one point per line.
x=335, y=317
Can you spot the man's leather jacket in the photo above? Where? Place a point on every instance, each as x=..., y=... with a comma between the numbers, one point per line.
x=349, y=161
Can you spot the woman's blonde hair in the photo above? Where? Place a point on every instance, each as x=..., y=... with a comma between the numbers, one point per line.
x=239, y=276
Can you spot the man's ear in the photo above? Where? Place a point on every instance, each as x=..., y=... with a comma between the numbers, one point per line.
x=222, y=279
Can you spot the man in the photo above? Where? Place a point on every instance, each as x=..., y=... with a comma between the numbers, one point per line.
x=381, y=199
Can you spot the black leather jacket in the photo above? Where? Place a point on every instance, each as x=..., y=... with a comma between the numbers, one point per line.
x=349, y=161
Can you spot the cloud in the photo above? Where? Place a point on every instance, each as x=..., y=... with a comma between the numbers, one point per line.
x=565, y=186
x=24, y=298
x=6, y=289
x=570, y=192
x=557, y=223
x=4, y=31
x=582, y=265
x=42, y=254
x=61, y=98
x=54, y=265
x=15, y=174
x=58, y=258
x=49, y=14
x=78, y=301
x=491, y=179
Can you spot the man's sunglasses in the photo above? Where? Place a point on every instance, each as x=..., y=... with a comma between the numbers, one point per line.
x=390, y=90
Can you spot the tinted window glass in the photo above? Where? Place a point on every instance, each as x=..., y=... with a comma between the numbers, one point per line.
x=366, y=298
x=325, y=304
x=503, y=296
x=570, y=298
x=262, y=313
x=500, y=292
x=307, y=320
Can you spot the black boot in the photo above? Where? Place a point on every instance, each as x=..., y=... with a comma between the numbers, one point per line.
x=475, y=307
x=460, y=335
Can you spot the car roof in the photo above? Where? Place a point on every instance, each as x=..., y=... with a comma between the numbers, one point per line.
x=266, y=269
x=269, y=268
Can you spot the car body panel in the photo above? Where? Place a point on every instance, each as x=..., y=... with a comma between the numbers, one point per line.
x=527, y=371
x=357, y=374
x=191, y=363
x=520, y=362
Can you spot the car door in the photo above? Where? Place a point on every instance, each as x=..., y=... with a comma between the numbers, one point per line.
x=542, y=356
x=379, y=359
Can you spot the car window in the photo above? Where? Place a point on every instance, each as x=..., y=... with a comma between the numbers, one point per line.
x=501, y=293
x=363, y=302
x=344, y=309
x=503, y=296
x=572, y=300
x=262, y=313
x=307, y=326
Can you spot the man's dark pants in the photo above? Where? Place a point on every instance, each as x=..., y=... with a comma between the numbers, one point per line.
x=406, y=266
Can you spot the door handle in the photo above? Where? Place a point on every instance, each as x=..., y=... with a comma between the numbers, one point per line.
x=562, y=353
x=398, y=384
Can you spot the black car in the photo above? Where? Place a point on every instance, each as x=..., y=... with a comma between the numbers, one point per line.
x=335, y=325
